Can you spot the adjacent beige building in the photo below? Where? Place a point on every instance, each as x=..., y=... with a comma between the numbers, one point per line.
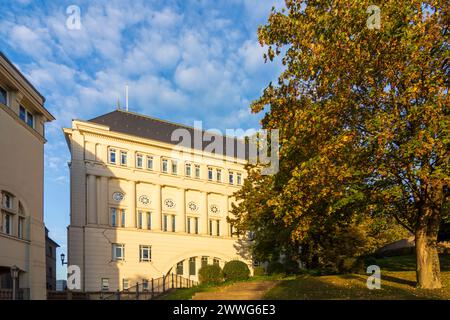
x=140, y=209
x=22, y=138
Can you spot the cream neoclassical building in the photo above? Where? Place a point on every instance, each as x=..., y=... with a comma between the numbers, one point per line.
x=139, y=210
x=22, y=231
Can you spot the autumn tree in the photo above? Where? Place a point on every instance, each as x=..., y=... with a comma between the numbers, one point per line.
x=362, y=111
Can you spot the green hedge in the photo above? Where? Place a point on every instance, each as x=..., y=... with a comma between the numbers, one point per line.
x=236, y=270
x=259, y=271
x=210, y=274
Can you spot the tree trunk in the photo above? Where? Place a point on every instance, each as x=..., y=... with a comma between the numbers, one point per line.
x=428, y=269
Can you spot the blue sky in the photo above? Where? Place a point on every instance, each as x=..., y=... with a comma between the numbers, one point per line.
x=183, y=61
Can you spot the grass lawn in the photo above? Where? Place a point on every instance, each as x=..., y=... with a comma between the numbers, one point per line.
x=398, y=280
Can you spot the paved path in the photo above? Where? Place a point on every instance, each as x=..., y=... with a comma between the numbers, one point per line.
x=254, y=290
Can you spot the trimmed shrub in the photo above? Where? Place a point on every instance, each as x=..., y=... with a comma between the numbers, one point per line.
x=236, y=270
x=275, y=267
x=210, y=273
x=259, y=271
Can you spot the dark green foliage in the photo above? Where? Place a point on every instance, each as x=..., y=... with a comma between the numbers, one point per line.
x=259, y=271
x=210, y=274
x=236, y=270
x=275, y=267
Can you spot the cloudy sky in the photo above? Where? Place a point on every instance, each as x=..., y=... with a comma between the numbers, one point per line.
x=183, y=61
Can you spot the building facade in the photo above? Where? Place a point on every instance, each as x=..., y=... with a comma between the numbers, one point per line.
x=22, y=138
x=140, y=210
x=50, y=262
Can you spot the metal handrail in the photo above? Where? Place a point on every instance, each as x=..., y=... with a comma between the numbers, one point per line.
x=151, y=289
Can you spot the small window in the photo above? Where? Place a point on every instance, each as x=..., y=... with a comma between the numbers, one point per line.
x=149, y=163
x=173, y=224
x=180, y=268
x=165, y=222
x=22, y=114
x=3, y=96
x=123, y=158
x=145, y=253
x=105, y=284
x=174, y=167
x=196, y=225
x=239, y=178
x=204, y=261
x=231, y=178
x=125, y=284
x=165, y=167
x=113, y=217
x=197, y=171
x=7, y=200
x=118, y=252
x=188, y=169
x=210, y=227
x=189, y=225
x=149, y=221
x=217, y=227
x=144, y=284
x=122, y=218
x=20, y=227
x=139, y=220
x=216, y=261
x=139, y=161
x=219, y=175
x=7, y=224
x=192, y=267
x=210, y=173
x=112, y=156
x=30, y=120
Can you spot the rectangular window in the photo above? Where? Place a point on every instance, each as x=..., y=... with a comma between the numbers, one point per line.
x=20, y=227
x=105, y=284
x=118, y=252
x=7, y=224
x=112, y=156
x=189, y=225
x=125, y=284
x=149, y=163
x=217, y=227
x=165, y=167
x=122, y=218
x=197, y=171
x=231, y=178
x=188, y=169
x=180, y=270
x=239, y=179
x=145, y=284
x=173, y=224
x=165, y=222
x=210, y=227
x=174, y=167
x=3, y=96
x=204, y=261
x=22, y=114
x=139, y=220
x=145, y=253
x=196, y=225
x=192, y=268
x=30, y=120
x=149, y=221
x=7, y=201
x=219, y=175
x=139, y=161
x=210, y=173
x=123, y=158
x=113, y=217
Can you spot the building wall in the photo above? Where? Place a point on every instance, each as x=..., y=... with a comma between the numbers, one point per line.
x=94, y=181
x=21, y=174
